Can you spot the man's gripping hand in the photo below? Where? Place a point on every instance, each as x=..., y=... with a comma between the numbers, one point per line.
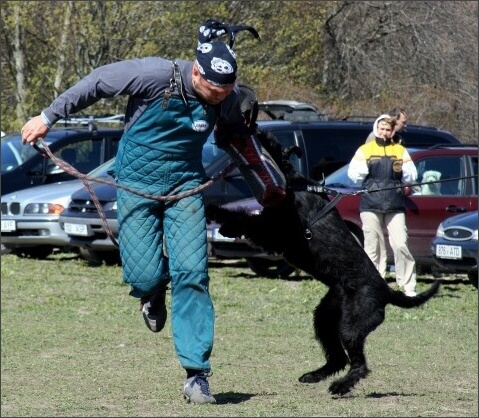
x=35, y=128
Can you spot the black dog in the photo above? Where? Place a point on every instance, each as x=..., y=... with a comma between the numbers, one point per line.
x=357, y=296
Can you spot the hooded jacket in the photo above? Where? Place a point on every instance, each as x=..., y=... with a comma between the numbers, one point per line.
x=382, y=164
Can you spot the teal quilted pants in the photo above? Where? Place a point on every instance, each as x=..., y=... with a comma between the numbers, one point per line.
x=143, y=225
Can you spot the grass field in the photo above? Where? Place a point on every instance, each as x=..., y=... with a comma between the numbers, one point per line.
x=74, y=344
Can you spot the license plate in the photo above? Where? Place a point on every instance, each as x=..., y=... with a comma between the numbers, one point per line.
x=216, y=236
x=77, y=229
x=452, y=252
x=9, y=226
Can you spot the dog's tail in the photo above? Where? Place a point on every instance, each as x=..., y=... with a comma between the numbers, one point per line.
x=398, y=298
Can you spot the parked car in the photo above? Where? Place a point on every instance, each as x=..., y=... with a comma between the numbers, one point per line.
x=325, y=146
x=84, y=147
x=424, y=211
x=30, y=216
x=288, y=110
x=455, y=246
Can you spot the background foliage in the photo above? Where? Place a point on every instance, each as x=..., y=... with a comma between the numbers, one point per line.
x=347, y=57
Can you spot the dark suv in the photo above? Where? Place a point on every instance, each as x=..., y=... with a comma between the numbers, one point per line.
x=326, y=145
x=426, y=207
x=84, y=147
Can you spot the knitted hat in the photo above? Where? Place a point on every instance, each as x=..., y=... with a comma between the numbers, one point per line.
x=217, y=60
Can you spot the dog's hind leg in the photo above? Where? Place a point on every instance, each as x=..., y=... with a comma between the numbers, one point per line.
x=354, y=327
x=357, y=371
x=326, y=320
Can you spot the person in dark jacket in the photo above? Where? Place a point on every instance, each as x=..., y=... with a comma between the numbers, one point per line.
x=384, y=164
x=173, y=107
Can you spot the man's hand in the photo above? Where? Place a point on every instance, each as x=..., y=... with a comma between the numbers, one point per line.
x=33, y=129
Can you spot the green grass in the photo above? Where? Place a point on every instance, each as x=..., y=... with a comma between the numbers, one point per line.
x=74, y=344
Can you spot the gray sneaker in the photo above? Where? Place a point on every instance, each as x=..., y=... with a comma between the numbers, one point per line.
x=197, y=389
x=154, y=310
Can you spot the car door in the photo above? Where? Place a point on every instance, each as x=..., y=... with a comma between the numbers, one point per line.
x=430, y=204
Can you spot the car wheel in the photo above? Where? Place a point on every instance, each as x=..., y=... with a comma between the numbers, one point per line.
x=99, y=257
x=5, y=250
x=38, y=253
x=111, y=258
x=270, y=268
x=472, y=276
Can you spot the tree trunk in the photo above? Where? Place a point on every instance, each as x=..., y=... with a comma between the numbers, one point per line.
x=19, y=60
x=62, y=50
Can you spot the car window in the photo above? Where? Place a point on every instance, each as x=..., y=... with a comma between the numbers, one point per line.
x=340, y=178
x=474, y=167
x=84, y=155
x=103, y=169
x=10, y=157
x=14, y=153
x=441, y=168
x=300, y=115
x=288, y=139
x=212, y=153
x=292, y=112
x=330, y=149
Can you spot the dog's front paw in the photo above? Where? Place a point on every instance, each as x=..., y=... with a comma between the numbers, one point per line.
x=341, y=387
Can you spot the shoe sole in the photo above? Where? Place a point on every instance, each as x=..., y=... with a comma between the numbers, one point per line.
x=188, y=400
x=155, y=328
x=160, y=323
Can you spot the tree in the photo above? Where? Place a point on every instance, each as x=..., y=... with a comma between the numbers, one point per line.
x=422, y=55
x=347, y=57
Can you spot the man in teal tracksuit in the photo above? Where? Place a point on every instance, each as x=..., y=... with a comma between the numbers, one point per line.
x=173, y=107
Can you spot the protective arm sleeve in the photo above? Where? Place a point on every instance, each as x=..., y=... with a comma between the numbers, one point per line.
x=262, y=175
x=239, y=140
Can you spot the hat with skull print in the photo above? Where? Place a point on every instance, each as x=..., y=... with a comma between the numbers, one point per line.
x=216, y=60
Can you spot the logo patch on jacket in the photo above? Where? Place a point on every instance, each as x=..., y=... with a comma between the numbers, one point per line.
x=200, y=125
x=397, y=166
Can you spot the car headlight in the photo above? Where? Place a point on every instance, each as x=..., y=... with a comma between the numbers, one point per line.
x=440, y=231
x=43, y=209
x=474, y=235
x=110, y=206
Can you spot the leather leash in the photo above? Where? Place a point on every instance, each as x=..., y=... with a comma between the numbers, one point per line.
x=317, y=188
x=46, y=152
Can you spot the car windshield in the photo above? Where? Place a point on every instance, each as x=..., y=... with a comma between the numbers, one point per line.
x=211, y=152
x=288, y=110
x=339, y=178
x=102, y=170
x=14, y=153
